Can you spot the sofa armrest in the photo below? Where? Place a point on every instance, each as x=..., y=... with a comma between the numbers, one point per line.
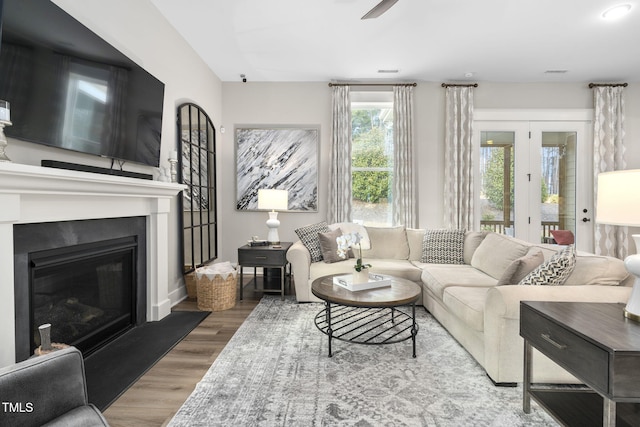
x=46, y=388
x=503, y=346
x=300, y=258
x=504, y=301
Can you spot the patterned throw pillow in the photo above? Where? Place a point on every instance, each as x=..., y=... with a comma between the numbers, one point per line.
x=443, y=247
x=555, y=271
x=309, y=237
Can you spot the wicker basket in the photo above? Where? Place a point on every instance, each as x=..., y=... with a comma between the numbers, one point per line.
x=190, y=283
x=217, y=293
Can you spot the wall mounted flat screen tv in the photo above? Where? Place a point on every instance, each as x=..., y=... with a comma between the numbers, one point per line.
x=69, y=88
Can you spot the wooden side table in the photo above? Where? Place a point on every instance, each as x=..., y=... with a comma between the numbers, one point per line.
x=266, y=257
x=595, y=343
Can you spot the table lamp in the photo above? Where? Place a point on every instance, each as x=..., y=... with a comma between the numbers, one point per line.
x=273, y=199
x=619, y=204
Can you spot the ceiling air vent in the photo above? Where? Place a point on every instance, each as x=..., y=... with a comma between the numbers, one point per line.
x=555, y=71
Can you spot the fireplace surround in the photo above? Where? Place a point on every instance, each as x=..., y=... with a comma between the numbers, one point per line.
x=33, y=194
x=86, y=278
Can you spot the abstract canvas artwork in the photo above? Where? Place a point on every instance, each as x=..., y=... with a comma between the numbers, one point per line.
x=282, y=158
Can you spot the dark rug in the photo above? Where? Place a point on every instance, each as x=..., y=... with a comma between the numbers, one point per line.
x=114, y=368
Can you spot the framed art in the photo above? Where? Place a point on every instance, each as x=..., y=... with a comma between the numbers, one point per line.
x=277, y=157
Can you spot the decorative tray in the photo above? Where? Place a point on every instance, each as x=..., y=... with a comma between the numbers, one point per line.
x=375, y=281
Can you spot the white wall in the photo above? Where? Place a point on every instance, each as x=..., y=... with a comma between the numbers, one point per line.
x=139, y=31
x=310, y=103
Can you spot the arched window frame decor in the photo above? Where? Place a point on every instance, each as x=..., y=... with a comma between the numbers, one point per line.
x=197, y=170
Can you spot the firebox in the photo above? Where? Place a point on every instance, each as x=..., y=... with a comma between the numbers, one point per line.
x=86, y=292
x=85, y=278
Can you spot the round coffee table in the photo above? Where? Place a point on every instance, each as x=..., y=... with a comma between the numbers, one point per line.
x=370, y=316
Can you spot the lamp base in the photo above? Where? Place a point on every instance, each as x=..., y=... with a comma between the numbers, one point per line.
x=631, y=316
x=632, y=264
x=273, y=223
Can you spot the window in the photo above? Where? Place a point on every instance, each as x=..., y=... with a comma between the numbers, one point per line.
x=372, y=157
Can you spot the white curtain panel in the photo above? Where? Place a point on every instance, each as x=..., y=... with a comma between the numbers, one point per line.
x=608, y=155
x=458, y=167
x=403, y=171
x=339, y=209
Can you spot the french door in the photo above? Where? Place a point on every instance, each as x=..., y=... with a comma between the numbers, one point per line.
x=535, y=176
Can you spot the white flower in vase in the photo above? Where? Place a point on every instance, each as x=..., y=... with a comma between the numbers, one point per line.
x=347, y=241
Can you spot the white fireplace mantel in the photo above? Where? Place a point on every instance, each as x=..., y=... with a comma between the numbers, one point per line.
x=31, y=194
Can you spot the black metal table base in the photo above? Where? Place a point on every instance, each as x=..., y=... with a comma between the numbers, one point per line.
x=373, y=326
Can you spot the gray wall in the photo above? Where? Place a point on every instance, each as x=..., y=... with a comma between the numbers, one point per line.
x=310, y=103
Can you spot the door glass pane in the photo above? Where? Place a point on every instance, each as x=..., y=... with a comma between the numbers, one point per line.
x=496, y=174
x=558, y=186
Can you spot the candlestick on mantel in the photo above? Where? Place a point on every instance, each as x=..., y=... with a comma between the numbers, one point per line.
x=173, y=163
x=5, y=120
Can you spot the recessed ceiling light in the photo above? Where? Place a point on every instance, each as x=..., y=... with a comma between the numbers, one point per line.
x=616, y=12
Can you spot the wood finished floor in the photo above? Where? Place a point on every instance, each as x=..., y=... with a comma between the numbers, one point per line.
x=155, y=398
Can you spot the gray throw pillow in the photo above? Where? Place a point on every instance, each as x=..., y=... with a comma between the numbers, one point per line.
x=555, y=271
x=520, y=268
x=309, y=237
x=329, y=246
x=443, y=247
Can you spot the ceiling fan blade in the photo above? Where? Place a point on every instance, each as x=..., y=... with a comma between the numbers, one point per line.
x=379, y=9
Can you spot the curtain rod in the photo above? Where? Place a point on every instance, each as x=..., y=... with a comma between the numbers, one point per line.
x=459, y=85
x=592, y=85
x=414, y=84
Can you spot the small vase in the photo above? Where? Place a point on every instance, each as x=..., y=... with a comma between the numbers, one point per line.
x=361, y=276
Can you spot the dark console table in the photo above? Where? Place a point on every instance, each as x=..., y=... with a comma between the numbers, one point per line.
x=272, y=256
x=596, y=344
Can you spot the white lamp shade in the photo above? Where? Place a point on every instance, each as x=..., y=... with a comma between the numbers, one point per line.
x=618, y=200
x=273, y=199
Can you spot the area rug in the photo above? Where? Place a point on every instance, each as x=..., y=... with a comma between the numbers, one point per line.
x=111, y=370
x=275, y=372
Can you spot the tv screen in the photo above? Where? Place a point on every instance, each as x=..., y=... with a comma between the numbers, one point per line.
x=69, y=88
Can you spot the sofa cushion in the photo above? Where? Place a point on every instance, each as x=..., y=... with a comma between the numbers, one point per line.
x=467, y=303
x=387, y=242
x=521, y=267
x=496, y=252
x=443, y=247
x=308, y=235
x=437, y=277
x=555, y=271
x=399, y=268
x=472, y=240
x=415, y=236
x=329, y=245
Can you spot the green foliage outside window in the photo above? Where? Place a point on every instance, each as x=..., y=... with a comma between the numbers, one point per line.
x=368, y=151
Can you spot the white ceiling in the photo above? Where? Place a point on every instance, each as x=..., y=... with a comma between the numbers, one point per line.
x=426, y=40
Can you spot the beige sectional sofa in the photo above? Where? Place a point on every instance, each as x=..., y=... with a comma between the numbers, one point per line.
x=466, y=299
